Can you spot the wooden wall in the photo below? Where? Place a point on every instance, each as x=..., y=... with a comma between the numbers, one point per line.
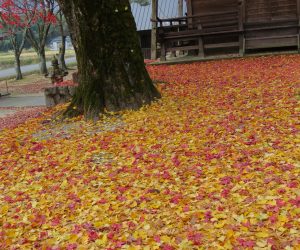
x=207, y=6
x=145, y=41
x=256, y=10
x=209, y=15
x=270, y=10
x=271, y=24
x=266, y=23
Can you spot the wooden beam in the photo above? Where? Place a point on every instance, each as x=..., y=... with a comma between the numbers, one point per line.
x=189, y=13
x=180, y=14
x=298, y=14
x=241, y=27
x=180, y=8
x=189, y=7
x=154, y=30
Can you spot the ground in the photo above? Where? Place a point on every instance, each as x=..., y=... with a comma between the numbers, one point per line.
x=25, y=100
x=214, y=164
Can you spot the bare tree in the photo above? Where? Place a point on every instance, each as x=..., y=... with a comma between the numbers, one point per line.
x=62, y=31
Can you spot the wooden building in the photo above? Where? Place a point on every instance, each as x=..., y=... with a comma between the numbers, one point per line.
x=232, y=26
x=142, y=15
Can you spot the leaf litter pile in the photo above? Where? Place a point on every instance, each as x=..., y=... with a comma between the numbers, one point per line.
x=214, y=164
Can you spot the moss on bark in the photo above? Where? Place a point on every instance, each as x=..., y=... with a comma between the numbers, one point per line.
x=112, y=74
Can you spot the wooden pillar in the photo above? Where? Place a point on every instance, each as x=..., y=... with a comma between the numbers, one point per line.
x=298, y=13
x=241, y=27
x=180, y=8
x=180, y=14
x=189, y=7
x=154, y=30
x=189, y=13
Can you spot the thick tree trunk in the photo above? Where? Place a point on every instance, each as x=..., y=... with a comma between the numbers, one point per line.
x=42, y=57
x=18, y=67
x=112, y=74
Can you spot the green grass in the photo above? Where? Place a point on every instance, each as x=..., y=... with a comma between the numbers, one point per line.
x=28, y=57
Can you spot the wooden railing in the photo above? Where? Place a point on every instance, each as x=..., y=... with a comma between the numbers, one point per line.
x=188, y=32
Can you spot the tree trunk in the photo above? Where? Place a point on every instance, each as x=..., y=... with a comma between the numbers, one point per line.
x=62, y=52
x=18, y=67
x=112, y=74
x=62, y=49
x=42, y=57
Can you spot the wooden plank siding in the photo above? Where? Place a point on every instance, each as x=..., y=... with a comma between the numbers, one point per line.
x=216, y=16
x=239, y=26
x=270, y=10
x=266, y=23
x=271, y=24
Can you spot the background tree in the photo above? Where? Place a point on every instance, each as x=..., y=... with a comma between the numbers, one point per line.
x=62, y=31
x=15, y=25
x=38, y=33
x=5, y=45
x=112, y=73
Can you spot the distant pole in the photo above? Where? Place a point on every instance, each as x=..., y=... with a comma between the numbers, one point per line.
x=180, y=8
x=154, y=30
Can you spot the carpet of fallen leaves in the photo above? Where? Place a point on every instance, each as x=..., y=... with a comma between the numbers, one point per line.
x=214, y=164
x=18, y=116
x=21, y=89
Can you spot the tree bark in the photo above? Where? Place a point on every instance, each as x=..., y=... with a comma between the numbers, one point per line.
x=18, y=47
x=112, y=73
x=62, y=49
x=18, y=67
x=43, y=65
x=62, y=52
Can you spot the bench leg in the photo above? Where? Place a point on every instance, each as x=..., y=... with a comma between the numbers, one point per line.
x=201, y=48
x=242, y=45
x=163, y=52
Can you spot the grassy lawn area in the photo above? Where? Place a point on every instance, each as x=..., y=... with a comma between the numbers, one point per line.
x=28, y=57
x=214, y=164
